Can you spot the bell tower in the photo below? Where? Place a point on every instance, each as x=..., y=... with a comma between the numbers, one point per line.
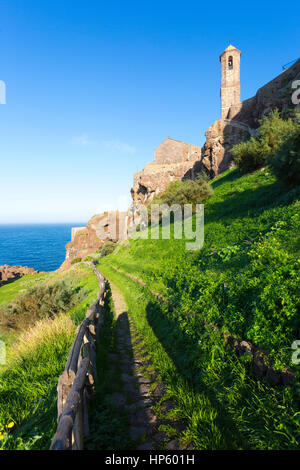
x=230, y=82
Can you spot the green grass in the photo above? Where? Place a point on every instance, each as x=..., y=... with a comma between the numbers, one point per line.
x=245, y=280
x=36, y=359
x=251, y=244
x=9, y=291
x=215, y=393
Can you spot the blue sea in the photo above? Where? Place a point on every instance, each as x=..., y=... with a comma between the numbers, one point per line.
x=38, y=246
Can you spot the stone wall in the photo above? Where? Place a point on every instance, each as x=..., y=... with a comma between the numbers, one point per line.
x=155, y=178
x=174, y=160
x=172, y=151
x=100, y=228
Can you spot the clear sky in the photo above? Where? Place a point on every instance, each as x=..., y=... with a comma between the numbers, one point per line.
x=94, y=86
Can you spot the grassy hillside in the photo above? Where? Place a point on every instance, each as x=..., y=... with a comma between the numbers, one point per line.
x=36, y=357
x=244, y=281
x=9, y=291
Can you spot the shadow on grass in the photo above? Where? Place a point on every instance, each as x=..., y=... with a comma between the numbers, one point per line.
x=183, y=353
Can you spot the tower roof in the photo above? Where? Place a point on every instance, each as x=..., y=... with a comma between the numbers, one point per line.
x=230, y=48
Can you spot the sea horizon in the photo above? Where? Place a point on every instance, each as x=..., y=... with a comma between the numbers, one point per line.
x=37, y=245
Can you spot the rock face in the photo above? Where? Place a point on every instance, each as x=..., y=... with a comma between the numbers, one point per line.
x=155, y=178
x=220, y=138
x=275, y=94
x=12, y=273
x=87, y=240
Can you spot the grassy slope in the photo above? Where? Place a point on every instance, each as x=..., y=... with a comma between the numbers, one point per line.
x=245, y=279
x=9, y=291
x=36, y=359
x=251, y=244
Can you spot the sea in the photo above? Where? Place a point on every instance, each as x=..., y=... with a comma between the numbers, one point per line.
x=38, y=246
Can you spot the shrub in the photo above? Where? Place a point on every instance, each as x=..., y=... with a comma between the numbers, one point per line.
x=286, y=161
x=185, y=192
x=76, y=260
x=259, y=149
x=107, y=248
x=37, y=303
x=88, y=258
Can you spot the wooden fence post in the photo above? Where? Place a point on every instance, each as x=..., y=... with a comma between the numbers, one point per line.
x=76, y=384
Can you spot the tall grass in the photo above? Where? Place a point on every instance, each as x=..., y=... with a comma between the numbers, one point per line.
x=28, y=384
x=37, y=357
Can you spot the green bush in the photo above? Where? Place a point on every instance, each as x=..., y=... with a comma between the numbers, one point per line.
x=88, y=258
x=286, y=161
x=185, y=192
x=260, y=148
x=37, y=303
x=76, y=260
x=107, y=248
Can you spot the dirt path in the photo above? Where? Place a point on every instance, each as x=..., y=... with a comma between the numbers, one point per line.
x=141, y=394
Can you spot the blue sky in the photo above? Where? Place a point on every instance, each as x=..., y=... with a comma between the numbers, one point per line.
x=93, y=87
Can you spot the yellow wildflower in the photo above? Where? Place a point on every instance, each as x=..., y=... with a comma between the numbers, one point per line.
x=10, y=425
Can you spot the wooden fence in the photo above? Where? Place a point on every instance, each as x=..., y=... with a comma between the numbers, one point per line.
x=76, y=384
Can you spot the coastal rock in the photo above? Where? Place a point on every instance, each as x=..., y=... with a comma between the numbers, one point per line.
x=12, y=273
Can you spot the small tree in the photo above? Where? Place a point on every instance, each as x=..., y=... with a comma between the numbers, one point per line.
x=107, y=248
x=286, y=161
x=185, y=192
x=259, y=149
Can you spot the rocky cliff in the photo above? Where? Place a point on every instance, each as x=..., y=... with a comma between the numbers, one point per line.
x=12, y=273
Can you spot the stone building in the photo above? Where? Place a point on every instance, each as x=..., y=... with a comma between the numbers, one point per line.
x=230, y=82
x=172, y=151
x=111, y=225
x=174, y=160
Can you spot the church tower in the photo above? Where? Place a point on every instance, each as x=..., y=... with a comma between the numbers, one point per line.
x=230, y=82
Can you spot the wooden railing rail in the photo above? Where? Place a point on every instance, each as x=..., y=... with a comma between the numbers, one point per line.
x=76, y=384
